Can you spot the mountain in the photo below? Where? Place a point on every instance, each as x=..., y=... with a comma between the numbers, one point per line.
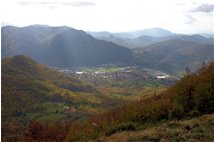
x=145, y=40
x=27, y=40
x=125, y=42
x=154, y=32
x=80, y=49
x=131, y=43
x=174, y=55
x=61, y=46
x=100, y=34
x=67, y=47
x=32, y=91
x=192, y=38
x=208, y=35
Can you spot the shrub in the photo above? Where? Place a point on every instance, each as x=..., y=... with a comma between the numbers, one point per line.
x=129, y=126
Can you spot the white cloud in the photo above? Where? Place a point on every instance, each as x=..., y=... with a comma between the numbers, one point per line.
x=207, y=8
x=110, y=15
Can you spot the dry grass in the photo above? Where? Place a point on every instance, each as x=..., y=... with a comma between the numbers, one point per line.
x=191, y=130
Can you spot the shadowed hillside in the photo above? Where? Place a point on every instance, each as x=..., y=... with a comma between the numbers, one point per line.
x=174, y=55
x=61, y=46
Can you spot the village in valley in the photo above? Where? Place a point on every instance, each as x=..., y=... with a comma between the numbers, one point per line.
x=123, y=76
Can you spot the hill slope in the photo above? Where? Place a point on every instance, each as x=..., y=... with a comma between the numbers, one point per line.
x=195, y=130
x=78, y=49
x=33, y=91
x=190, y=97
x=174, y=55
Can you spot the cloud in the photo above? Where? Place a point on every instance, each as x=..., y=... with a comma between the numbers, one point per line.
x=206, y=8
x=75, y=4
x=190, y=19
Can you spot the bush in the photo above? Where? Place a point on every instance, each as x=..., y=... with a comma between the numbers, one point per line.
x=129, y=126
x=194, y=113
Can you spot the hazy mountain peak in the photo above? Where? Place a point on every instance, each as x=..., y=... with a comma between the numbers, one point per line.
x=155, y=32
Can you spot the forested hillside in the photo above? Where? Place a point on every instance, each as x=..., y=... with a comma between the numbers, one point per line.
x=31, y=91
x=190, y=97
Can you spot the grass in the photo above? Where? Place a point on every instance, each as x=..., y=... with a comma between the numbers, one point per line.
x=191, y=130
x=52, y=117
x=32, y=116
x=51, y=107
x=101, y=69
x=52, y=111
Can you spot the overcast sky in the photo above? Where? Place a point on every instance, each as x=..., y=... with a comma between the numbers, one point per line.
x=180, y=16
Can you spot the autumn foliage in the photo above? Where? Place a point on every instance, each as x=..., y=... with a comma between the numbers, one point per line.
x=44, y=132
x=193, y=95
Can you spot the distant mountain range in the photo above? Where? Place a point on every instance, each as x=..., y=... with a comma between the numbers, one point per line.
x=68, y=47
x=144, y=40
x=61, y=46
x=155, y=32
x=174, y=55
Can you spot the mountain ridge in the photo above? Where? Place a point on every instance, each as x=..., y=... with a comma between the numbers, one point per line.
x=68, y=47
x=174, y=54
x=40, y=42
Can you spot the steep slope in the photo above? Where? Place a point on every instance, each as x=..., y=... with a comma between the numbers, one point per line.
x=61, y=46
x=75, y=48
x=174, y=55
x=194, y=129
x=27, y=40
x=25, y=82
x=14, y=41
x=125, y=42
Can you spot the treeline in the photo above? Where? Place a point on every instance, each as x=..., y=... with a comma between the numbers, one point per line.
x=192, y=96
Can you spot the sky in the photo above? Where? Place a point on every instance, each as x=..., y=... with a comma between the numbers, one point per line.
x=179, y=16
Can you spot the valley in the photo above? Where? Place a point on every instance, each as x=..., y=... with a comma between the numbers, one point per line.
x=62, y=84
x=107, y=71
x=122, y=76
x=77, y=94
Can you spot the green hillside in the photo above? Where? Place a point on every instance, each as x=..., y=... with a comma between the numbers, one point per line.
x=31, y=91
